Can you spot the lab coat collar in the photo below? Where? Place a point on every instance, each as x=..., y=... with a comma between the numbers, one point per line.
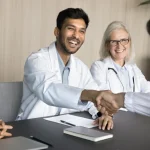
x=53, y=57
x=128, y=66
x=61, y=63
x=74, y=75
x=111, y=64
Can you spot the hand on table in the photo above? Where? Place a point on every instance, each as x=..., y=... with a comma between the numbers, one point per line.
x=105, y=122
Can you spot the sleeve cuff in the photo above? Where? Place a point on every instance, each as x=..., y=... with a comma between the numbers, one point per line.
x=128, y=102
x=83, y=103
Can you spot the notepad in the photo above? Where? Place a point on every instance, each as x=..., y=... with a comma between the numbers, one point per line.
x=88, y=134
x=77, y=121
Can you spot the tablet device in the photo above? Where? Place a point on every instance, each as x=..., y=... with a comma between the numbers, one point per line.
x=88, y=134
x=21, y=143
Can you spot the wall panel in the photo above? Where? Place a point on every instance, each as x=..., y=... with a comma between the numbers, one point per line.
x=27, y=25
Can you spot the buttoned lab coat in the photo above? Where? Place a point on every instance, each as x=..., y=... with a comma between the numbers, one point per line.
x=43, y=88
x=109, y=79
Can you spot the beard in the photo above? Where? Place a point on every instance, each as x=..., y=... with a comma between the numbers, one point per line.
x=64, y=47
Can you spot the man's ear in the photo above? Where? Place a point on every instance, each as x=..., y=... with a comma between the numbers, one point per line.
x=56, y=32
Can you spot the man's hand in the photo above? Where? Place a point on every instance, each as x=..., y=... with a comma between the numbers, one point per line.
x=104, y=122
x=109, y=103
x=105, y=101
x=3, y=129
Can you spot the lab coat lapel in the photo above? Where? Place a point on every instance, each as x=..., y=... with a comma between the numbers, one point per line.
x=131, y=75
x=75, y=74
x=109, y=63
x=54, y=61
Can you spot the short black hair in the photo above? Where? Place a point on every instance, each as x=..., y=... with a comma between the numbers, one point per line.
x=73, y=13
x=148, y=26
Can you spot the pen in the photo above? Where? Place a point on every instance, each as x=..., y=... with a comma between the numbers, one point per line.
x=99, y=114
x=38, y=140
x=67, y=123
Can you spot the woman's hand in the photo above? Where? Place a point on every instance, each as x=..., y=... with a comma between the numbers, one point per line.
x=105, y=122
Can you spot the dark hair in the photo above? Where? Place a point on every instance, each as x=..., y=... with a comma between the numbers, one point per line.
x=148, y=26
x=73, y=13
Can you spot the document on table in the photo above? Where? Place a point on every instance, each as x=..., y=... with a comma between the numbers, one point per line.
x=75, y=120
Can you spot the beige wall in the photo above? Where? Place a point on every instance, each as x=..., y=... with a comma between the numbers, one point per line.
x=27, y=25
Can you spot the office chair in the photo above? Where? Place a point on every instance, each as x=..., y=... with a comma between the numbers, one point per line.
x=10, y=100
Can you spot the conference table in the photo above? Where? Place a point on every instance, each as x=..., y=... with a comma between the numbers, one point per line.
x=131, y=132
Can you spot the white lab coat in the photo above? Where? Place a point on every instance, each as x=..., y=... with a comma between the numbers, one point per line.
x=109, y=80
x=138, y=102
x=43, y=88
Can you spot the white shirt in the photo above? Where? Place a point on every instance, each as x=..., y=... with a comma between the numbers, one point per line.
x=43, y=88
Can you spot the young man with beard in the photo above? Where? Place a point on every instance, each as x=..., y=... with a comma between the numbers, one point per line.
x=54, y=77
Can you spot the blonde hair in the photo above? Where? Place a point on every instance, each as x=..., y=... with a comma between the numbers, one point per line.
x=106, y=37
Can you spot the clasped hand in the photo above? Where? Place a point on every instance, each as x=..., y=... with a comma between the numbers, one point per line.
x=106, y=102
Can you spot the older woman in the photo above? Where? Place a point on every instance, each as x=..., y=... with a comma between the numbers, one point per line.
x=3, y=129
x=115, y=70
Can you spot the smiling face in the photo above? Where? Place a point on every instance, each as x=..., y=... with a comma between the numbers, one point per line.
x=120, y=50
x=71, y=36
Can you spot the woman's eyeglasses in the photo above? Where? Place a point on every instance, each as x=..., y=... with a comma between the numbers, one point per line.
x=116, y=42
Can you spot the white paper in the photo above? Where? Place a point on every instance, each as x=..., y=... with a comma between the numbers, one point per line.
x=78, y=121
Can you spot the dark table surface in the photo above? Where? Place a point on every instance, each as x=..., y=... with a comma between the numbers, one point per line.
x=131, y=132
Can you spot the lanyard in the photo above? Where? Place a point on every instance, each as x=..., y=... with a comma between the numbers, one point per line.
x=120, y=80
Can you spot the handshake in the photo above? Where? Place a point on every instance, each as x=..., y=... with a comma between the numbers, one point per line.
x=105, y=101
